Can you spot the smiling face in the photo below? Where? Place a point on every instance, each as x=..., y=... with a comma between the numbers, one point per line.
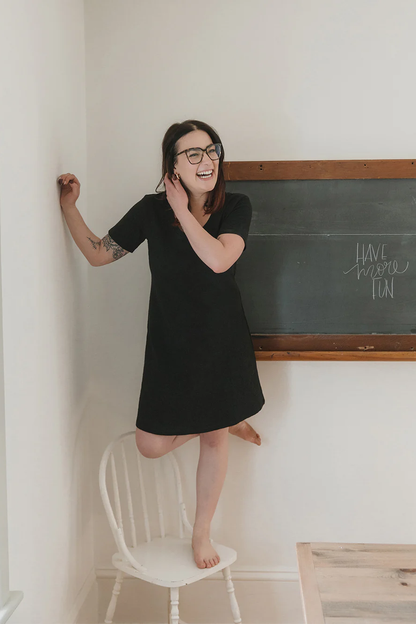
x=196, y=185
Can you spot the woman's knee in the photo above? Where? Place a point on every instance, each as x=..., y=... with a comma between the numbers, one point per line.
x=215, y=438
x=150, y=445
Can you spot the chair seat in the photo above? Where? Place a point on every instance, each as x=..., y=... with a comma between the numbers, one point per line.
x=169, y=561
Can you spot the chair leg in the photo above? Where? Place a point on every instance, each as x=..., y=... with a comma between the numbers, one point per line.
x=114, y=596
x=233, y=600
x=174, y=605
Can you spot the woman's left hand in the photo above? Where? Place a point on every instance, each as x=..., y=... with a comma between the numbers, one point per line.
x=176, y=195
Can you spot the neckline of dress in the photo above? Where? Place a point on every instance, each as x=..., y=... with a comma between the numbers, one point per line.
x=207, y=220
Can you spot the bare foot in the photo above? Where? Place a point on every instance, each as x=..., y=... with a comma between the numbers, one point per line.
x=204, y=554
x=246, y=432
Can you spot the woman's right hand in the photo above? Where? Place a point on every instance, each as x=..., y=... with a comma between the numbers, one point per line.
x=70, y=189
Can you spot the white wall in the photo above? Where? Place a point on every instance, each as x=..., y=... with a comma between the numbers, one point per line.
x=44, y=280
x=278, y=80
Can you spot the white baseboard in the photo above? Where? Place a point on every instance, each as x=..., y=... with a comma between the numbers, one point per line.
x=265, y=597
x=269, y=596
x=241, y=573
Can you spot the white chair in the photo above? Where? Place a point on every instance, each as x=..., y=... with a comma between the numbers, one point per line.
x=165, y=559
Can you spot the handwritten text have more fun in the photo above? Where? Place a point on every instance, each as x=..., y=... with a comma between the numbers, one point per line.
x=372, y=262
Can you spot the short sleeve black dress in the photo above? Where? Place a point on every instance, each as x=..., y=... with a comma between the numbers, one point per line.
x=200, y=371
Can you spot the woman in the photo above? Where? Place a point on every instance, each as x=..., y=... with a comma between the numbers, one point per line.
x=200, y=376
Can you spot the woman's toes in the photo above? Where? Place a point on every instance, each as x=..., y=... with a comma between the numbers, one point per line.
x=201, y=563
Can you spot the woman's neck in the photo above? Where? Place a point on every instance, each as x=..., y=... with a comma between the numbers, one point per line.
x=197, y=204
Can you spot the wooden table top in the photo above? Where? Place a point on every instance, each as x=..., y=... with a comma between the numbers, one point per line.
x=357, y=583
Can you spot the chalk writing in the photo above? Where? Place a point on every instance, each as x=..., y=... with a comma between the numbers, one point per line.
x=381, y=271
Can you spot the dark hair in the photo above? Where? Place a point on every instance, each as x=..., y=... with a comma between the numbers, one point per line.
x=216, y=197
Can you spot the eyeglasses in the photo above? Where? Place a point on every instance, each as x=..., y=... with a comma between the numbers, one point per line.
x=194, y=154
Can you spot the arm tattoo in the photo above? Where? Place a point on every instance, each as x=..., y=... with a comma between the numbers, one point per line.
x=118, y=252
x=94, y=243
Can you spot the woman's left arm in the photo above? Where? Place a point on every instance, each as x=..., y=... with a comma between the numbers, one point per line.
x=217, y=253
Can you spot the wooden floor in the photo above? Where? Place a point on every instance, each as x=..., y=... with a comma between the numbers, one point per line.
x=357, y=583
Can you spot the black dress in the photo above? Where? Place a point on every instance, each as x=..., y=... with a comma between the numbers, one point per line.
x=200, y=372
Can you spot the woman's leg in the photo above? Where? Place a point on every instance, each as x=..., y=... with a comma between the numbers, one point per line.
x=153, y=446
x=212, y=468
x=210, y=476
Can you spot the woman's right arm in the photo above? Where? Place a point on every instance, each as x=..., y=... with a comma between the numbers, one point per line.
x=97, y=251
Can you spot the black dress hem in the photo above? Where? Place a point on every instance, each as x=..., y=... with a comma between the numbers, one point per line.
x=174, y=433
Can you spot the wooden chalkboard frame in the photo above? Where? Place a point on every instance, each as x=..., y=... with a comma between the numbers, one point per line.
x=327, y=346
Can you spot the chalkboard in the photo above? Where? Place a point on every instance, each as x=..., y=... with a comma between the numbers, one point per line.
x=329, y=256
